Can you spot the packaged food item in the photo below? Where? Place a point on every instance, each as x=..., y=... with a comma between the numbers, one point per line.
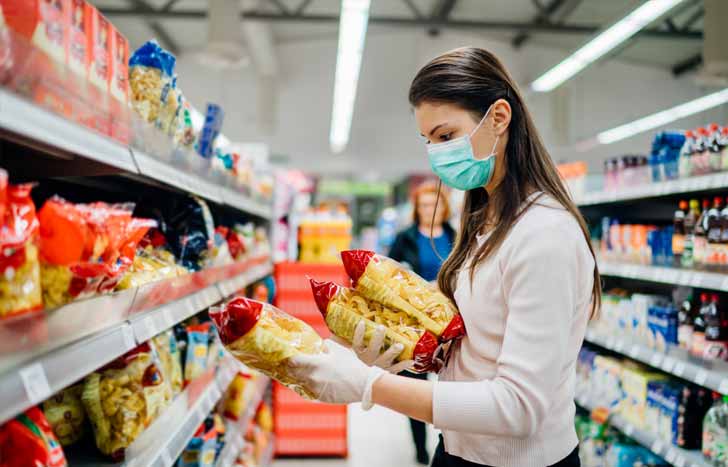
x=235, y=402
x=99, y=44
x=28, y=441
x=189, y=229
x=40, y=22
x=234, y=242
x=386, y=281
x=210, y=130
x=344, y=308
x=150, y=264
x=220, y=254
x=123, y=398
x=20, y=285
x=185, y=135
x=200, y=451
x=715, y=432
x=119, y=73
x=66, y=415
x=166, y=346
x=153, y=89
x=78, y=21
x=197, y=346
x=264, y=417
x=265, y=338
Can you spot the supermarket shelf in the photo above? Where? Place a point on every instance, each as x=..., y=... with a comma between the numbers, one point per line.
x=672, y=454
x=266, y=459
x=665, y=275
x=677, y=362
x=235, y=431
x=30, y=121
x=654, y=190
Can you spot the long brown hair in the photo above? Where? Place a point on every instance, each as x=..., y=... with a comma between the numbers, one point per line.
x=474, y=79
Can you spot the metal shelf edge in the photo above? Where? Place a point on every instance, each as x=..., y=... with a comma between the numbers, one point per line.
x=665, y=275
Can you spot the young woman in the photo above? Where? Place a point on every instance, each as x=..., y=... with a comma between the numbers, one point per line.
x=522, y=274
x=421, y=246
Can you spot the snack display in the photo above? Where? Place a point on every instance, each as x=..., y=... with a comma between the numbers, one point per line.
x=344, y=308
x=264, y=337
x=20, y=289
x=166, y=346
x=235, y=402
x=153, y=85
x=123, y=398
x=197, y=347
x=386, y=281
x=30, y=434
x=66, y=415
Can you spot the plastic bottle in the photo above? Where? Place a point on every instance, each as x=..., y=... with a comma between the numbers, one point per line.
x=678, y=235
x=685, y=161
x=716, y=332
x=687, y=260
x=715, y=229
x=715, y=432
x=700, y=241
x=713, y=147
x=723, y=143
x=697, y=345
x=723, y=248
x=700, y=152
x=685, y=325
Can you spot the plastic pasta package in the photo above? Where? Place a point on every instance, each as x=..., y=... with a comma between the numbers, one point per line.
x=386, y=281
x=150, y=264
x=28, y=441
x=123, y=398
x=235, y=402
x=66, y=415
x=153, y=87
x=20, y=287
x=166, y=346
x=344, y=308
x=265, y=338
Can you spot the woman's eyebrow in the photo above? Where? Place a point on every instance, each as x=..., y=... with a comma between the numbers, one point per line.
x=435, y=129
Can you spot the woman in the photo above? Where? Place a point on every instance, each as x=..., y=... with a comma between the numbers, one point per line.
x=522, y=273
x=421, y=247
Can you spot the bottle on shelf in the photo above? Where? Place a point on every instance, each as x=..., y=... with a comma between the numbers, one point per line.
x=700, y=240
x=716, y=333
x=691, y=219
x=685, y=163
x=714, y=149
x=678, y=234
x=715, y=432
x=700, y=152
x=723, y=143
x=685, y=324
x=723, y=247
x=715, y=229
x=697, y=345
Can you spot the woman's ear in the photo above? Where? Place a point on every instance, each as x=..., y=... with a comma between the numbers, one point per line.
x=502, y=114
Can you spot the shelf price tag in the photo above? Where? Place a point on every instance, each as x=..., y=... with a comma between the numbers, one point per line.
x=629, y=429
x=701, y=377
x=166, y=458
x=679, y=369
x=656, y=360
x=35, y=383
x=634, y=351
x=619, y=346
x=680, y=462
x=128, y=336
x=657, y=447
x=723, y=388
x=670, y=456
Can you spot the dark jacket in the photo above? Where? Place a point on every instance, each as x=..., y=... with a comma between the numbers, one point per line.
x=404, y=248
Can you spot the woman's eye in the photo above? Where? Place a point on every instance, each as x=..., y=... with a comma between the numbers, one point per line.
x=446, y=137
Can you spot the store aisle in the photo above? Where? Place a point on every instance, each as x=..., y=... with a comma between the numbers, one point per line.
x=377, y=437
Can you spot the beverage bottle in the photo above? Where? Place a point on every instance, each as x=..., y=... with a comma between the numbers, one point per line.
x=678, y=235
x=715, y=432
x=723, y=247
x=700, y=152
x=716, y=340
x=697, y=345
x=685, y=161
x=715, y=230
x=723, y=143
x=687, y=260
x=700, y=241
x=714, y=149
x=685, y=325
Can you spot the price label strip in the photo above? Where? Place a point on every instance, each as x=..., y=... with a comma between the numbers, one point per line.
x=35, y=383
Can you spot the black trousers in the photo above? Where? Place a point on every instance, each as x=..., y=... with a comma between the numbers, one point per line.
x=419, y=430
x=443, y=459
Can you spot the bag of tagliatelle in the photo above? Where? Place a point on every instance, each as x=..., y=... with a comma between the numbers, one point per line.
x=265, y=338
x=384, y=280
x=344, y=308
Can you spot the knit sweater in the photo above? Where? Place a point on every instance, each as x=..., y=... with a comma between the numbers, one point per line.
x=506, y=396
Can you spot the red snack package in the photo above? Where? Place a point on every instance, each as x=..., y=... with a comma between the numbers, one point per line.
x=344, y=308
x=384, y=280
x=28, y=441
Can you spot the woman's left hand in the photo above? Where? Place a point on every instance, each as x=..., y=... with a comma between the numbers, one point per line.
x=335, y=376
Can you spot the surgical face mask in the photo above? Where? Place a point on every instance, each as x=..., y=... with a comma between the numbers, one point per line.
x=455, y=163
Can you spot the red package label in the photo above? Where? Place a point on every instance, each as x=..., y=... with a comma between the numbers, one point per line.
x=119, y=75
x=99, y=46
x=236, y=318
x=79, y=26
x=42, y=22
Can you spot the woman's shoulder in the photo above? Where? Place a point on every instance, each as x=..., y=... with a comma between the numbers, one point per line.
x=546, y=218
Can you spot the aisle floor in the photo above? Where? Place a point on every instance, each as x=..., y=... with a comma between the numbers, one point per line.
x=377, y=437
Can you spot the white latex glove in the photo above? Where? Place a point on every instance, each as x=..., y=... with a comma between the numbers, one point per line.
x=372, y=354
x=335, y=376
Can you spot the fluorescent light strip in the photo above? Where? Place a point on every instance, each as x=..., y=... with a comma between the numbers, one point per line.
x=603, y=43
x=664, y=117
x=352, y=35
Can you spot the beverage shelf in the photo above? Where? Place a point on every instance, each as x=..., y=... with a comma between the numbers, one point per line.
x=676, y=361
x=674, y=455
x=665, y=275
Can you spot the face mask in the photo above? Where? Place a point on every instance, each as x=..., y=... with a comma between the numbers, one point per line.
x=454, y=162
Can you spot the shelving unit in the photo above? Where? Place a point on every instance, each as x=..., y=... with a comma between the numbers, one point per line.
x=663, y=275
x=674, y=455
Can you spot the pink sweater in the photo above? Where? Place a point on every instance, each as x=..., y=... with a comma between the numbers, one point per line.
x=506, y=396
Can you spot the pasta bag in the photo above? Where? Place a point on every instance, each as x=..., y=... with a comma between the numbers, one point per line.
x=344, y=308
x=265, y=338
x=66, y=415
x=386, y=281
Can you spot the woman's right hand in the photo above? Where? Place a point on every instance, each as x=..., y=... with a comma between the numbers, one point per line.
x=372, y=355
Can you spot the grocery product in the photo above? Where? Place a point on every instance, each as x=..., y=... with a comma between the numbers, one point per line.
x=28, y=441
x=196, y=352
x=386, y=281
x=697, y=346
x=153, y=89
x=200, y=451
x=264, y=417
x=78, y=21
x=66, y=415
x=344, y=308
x=41, y=23
x=235, y=402
x=264, y=337
x=691, y=220
x=166, y=346
x=716, y=331
x=20, y=284
x=123, y=398
x=100, y=41
x=678, y=236
x=715, y=432
x=150, y=264
x=662, y=323
x=189, y=229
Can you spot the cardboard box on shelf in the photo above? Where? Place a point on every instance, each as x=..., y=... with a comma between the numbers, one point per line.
x=100, y=50
x=119, y=76
x=42, y=22
x=78, y=27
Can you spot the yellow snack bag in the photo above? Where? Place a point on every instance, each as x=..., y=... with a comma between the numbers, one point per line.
x=66, y=415
x=235, y=402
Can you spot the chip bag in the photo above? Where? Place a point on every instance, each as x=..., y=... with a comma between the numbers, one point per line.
x=66, y=415
x=386, y=281
x=235, y=402
x=264, y=337
x=28, y=441
x=123, y=398
x=20, y=289
x=344, y=308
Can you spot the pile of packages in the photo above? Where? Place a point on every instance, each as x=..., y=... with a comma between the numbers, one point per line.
x=411, y=310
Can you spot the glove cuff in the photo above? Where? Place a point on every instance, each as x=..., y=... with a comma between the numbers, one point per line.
x=374, y=374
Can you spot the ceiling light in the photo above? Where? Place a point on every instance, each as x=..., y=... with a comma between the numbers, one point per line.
x=664, y=117
x=352, y=34
x=603, y=43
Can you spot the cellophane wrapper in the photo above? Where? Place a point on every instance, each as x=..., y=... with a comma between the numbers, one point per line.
x=265, y=338
x=343, y=308
x=66, y=415
x=386, y=281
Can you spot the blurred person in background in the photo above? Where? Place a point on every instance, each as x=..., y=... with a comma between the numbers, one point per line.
x=423, y=247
